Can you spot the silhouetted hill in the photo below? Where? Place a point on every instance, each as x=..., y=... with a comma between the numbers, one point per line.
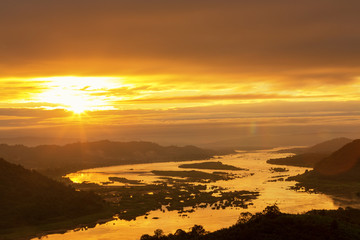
x=329, y=146
x=337, y=175
x=271, y=224
x=29, y=198
x=342, y=164
x=308, y=157
x=78, y=156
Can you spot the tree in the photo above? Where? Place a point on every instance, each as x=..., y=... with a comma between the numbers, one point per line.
x=244, y=217
x=158, y=233
x=146, y=237
x=180, y=233
x=197, y=230
x=272, y=211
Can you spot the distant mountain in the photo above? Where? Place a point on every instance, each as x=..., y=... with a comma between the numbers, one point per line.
x=29, y=198
x=308, y=157
x=343, y=164
x=78, y=156
x=329, y=146
x=322, y=148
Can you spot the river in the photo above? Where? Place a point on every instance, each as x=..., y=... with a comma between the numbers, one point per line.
x=262, y=180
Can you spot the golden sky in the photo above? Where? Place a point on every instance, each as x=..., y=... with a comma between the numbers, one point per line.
x=176, y=66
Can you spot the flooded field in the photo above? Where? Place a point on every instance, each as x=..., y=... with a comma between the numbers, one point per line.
x=253, y=174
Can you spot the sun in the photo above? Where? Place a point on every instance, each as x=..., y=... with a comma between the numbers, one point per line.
x=78, y=109
x=76, y=94
x=78, y=104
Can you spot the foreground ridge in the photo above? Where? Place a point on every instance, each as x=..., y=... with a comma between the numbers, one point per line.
x=272, y=224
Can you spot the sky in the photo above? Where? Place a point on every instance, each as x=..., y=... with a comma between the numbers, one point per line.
x=181, y=72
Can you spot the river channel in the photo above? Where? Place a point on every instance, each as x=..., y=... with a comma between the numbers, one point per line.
x=260, y=177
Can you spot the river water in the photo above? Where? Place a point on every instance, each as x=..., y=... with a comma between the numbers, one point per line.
x=271, y=192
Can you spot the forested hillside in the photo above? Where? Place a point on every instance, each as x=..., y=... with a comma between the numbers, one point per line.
x=29, y=198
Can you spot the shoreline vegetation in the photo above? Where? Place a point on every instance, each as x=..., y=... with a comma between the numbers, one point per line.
x=336, y=174
x=342, y=192
x=176, y=190
x=272, y=224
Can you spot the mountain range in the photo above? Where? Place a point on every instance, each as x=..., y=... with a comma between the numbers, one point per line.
x=77, y=156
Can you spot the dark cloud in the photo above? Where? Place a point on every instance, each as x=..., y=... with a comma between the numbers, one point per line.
x=269, y=39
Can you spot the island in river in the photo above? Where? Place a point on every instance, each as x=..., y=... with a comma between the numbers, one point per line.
x=211, y=165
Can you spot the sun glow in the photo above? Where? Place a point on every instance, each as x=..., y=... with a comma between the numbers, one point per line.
x=78, y=94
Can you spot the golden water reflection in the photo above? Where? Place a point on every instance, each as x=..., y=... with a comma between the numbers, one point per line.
x=270, y=192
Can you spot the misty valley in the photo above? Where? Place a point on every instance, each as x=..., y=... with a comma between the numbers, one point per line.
x=179, y=120
x=205, y=188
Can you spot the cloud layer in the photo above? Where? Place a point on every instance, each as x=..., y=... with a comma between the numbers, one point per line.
x=307, y=41
x=180, y=65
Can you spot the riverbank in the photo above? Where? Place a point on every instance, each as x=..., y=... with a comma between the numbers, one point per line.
x=344, y=193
